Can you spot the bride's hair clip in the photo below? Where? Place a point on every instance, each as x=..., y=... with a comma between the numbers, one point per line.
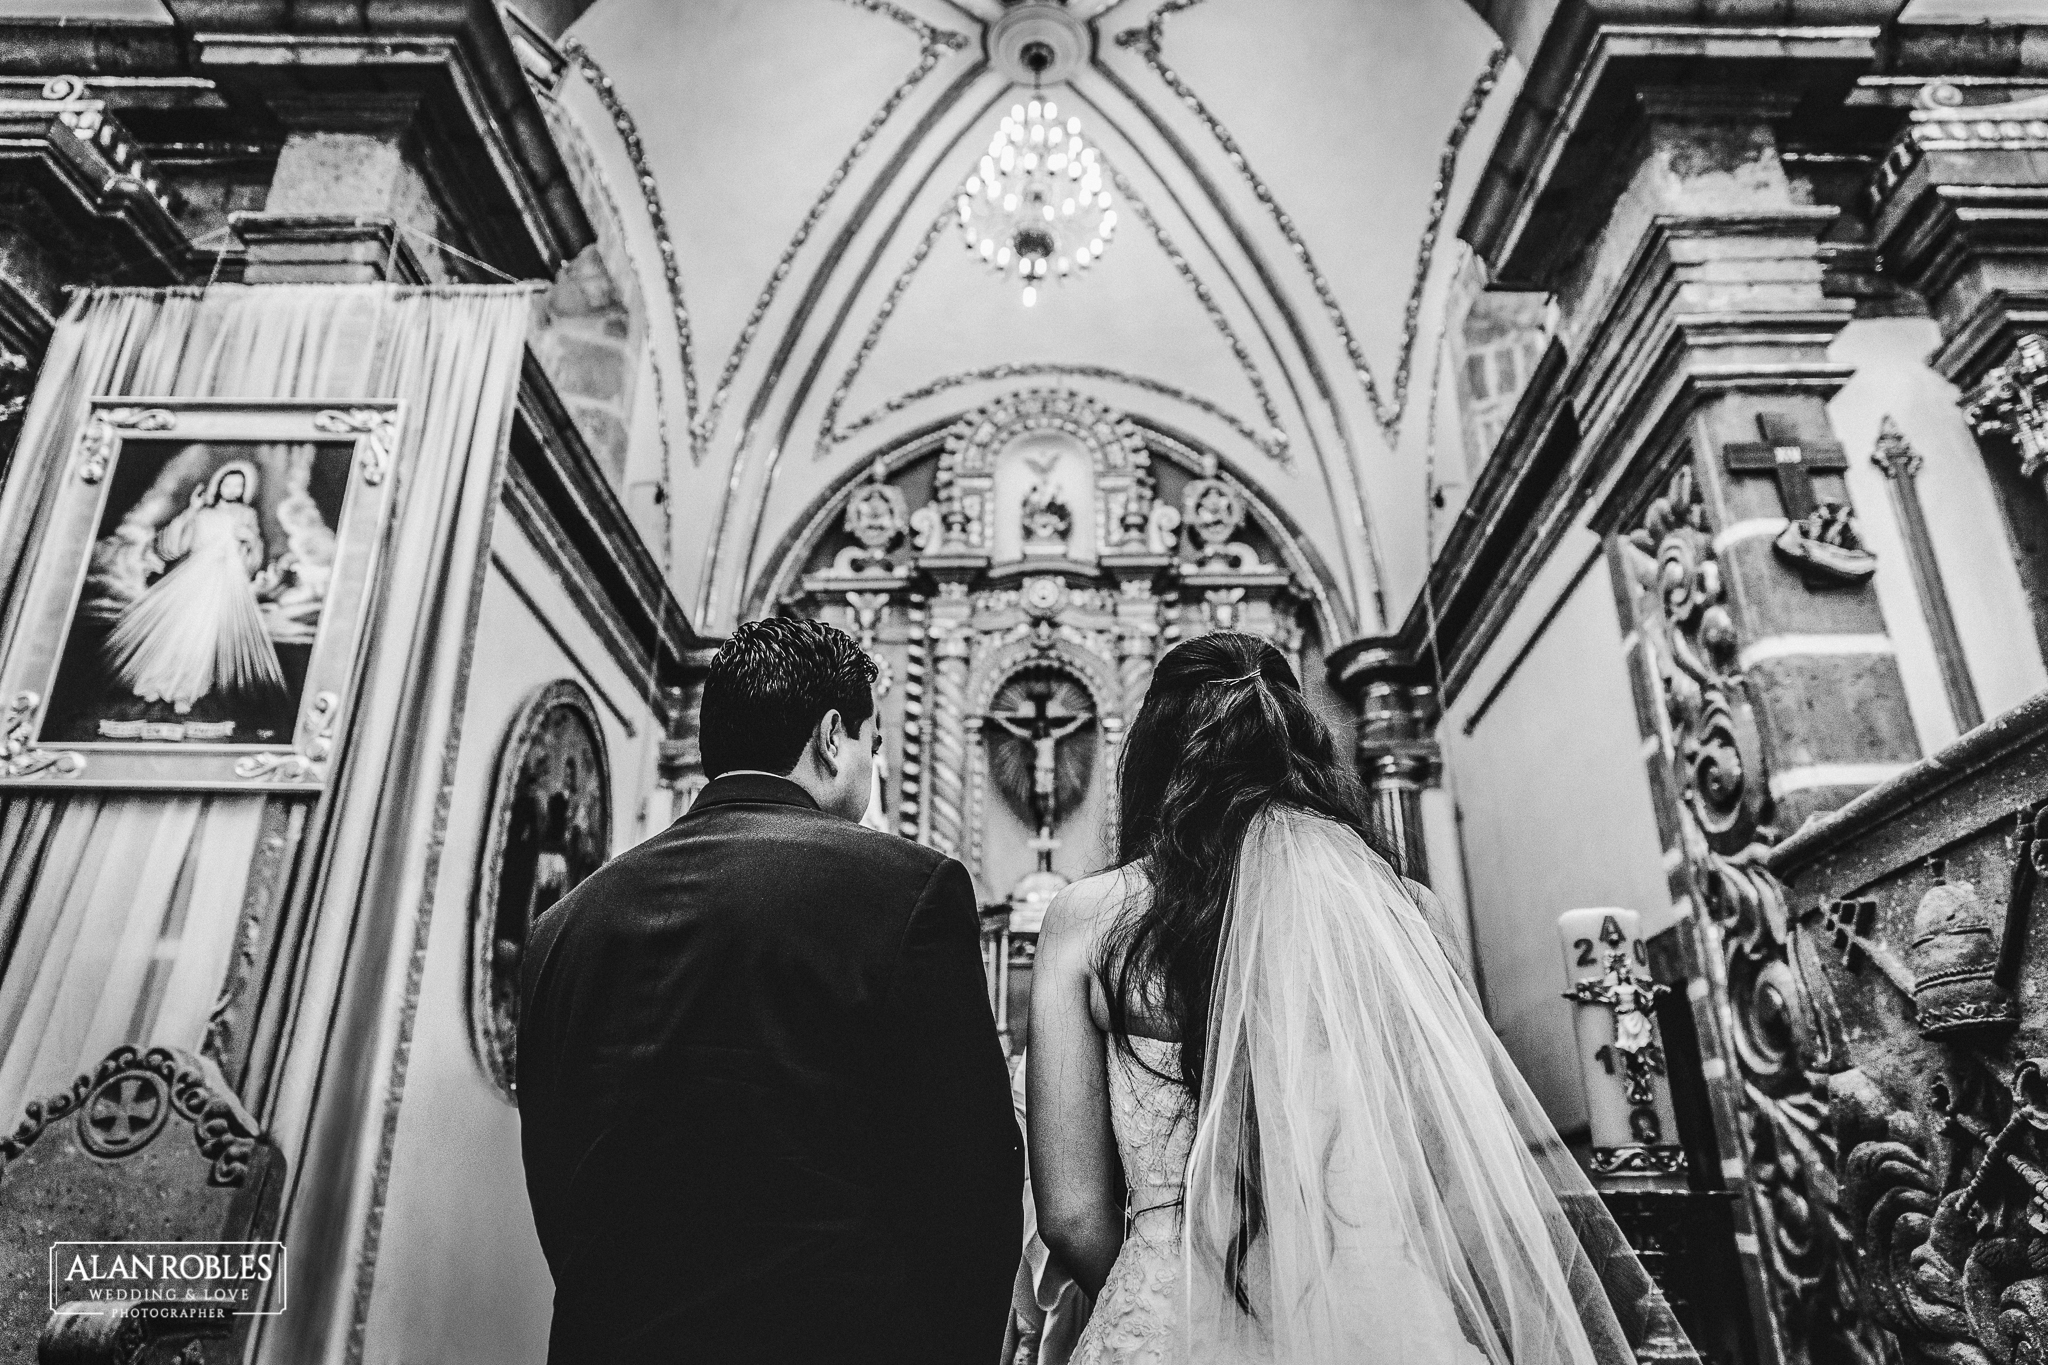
x=1252, y=676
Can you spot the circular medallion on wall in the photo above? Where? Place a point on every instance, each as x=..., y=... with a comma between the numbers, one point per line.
x=550, y=826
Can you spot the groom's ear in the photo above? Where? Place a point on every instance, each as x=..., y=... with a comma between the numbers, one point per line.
x=829, y=739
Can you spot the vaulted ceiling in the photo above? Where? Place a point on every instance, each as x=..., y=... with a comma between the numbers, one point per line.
x=1285, y=172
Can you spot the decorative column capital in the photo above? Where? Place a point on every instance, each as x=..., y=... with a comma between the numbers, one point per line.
x=2013, y=402
x=1894, y=454
x=1397, y=752
x=679, y=762
x=1956, y=215
x=1397, y=705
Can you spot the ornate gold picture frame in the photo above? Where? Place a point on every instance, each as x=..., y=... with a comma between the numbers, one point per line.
x=192, y=615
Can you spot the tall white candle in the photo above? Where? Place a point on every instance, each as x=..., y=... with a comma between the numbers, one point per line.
x=1607, y=971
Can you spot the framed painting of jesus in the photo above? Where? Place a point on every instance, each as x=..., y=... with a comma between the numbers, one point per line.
x=191, y=618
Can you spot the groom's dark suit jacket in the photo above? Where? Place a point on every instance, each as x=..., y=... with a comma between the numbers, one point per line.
x=764, y=1111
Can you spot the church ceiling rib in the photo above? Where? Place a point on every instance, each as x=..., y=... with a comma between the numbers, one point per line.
x=824, y=274
x=933, y=45
x=1250, y=252
x=1354, y=507
x=665, y=471
x=1049, y=369
x=1147, y=40
x=1273, y=441
x=650, y=196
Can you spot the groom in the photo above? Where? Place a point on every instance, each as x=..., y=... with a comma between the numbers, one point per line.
x=764, y=1111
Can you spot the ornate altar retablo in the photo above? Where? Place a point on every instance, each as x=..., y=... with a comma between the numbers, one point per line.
x=1015, y=575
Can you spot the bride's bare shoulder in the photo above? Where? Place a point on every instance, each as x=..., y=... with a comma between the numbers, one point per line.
x=1084, y=909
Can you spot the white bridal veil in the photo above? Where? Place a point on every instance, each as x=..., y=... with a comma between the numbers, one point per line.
x=1413, y=1203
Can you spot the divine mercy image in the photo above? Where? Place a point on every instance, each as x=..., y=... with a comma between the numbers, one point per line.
x=203, y=594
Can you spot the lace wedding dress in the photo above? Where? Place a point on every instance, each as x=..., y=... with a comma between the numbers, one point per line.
x=1409, y=1202
x=1136, y=1317
x=1133, y=1322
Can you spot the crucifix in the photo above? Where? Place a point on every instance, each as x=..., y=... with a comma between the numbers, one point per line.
x=1821, y=538
x=1633, y=999
x=1043, y=728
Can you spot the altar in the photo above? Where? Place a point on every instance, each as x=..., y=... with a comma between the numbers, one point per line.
x=1014, y=576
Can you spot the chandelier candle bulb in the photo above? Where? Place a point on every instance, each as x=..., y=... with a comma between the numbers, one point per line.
x=1621, y=1059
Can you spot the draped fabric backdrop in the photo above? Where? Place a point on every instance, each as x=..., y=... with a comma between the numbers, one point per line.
x=118, y=910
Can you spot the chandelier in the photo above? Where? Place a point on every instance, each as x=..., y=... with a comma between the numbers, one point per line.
x=1036, y=208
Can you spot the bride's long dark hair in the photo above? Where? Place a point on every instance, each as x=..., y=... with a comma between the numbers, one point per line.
x=1224, y=734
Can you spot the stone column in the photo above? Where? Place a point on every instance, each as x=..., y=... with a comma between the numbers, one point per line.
x=946, y=759
x=1957, y=217
x=1687, y=267
x=680, y=764
x=1140, y=617
x=1397, y=750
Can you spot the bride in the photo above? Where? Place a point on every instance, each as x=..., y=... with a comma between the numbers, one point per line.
x=1326, y=1156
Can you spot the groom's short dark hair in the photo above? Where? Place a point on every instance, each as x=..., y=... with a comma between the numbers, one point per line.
x=768, y=686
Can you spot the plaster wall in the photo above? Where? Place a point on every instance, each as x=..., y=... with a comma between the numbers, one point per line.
x=460, y=1276
x=1554, y=813
x=1963, y=517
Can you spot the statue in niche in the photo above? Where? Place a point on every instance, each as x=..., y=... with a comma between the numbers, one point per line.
x=927, y=525
x=550, y=828
x=1046, y=517
x=1162, y=529
x=1037, y=713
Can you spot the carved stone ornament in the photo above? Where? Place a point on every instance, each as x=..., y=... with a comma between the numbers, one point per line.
x=123, y=1104
x=1954, y=959
x=1134, y=522
x=1953, y=1263
x=1718, y=744
x=1776, y=1025
x=877, y=516
x=2010, y=403
x=1212, y=509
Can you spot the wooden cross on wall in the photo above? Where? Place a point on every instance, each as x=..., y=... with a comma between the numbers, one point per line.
x=1819, y=538
x=1792, y=462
